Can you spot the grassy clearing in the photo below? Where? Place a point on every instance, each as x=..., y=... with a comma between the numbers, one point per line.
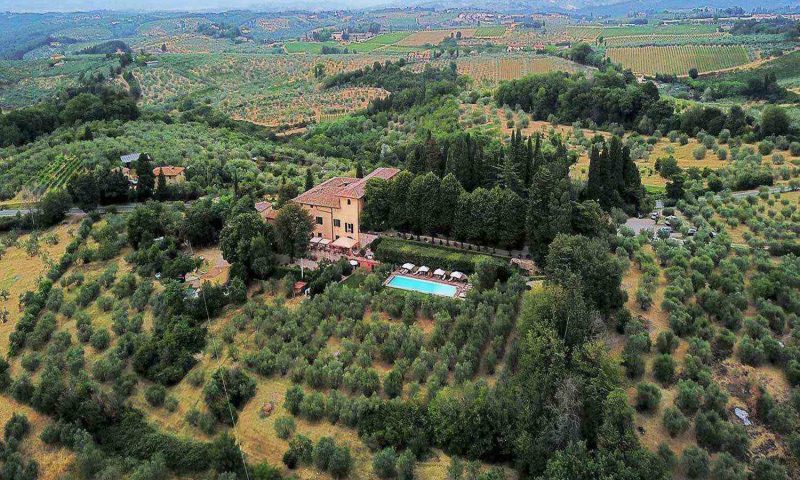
x=308, y=47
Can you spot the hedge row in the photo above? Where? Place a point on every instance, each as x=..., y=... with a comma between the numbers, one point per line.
x=398, y=251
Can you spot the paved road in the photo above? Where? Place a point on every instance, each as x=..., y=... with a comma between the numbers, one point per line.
x=127, y=207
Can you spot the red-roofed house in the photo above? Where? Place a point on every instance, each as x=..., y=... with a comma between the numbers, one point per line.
x=172, y=175
x=336, y=204
x=266, y=211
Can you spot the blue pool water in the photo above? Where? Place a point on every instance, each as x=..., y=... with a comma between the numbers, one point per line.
x=423, y=286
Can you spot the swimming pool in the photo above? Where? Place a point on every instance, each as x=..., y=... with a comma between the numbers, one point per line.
x=423, y=286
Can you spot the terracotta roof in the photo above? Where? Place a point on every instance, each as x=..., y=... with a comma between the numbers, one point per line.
x=168, y=171
x=356, y=190
x=328, y=193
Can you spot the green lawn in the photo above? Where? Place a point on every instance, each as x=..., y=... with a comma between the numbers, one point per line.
x=355, y=280
x=655, y=189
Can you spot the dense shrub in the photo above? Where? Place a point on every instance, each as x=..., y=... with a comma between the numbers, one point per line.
x=648, y=396
x=155, y=395
x=384, y=463
x=664, y=368
x=228, y=390
x=695, y=462
x=675, y=421
x=284, y=427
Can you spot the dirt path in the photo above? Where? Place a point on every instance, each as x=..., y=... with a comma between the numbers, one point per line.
x=745, y=66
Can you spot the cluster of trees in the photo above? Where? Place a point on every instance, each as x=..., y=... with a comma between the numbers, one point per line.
x=607, y=97
x=614, y=179
x=429, y=205
x=779, y=25
x=713, y=120
x=531, y=179
x=106, y=186
x=407, y=88
x=610, y=97
x=94, y=421
x=584, y=54
x=326, y=50
x=477, y=161
x=227, y=392
x=246, y=240
x=15, y=463
x=111, y=47
x=99, y=187
x=77, y=105
x=761, y=83
x=325, y=455
x=219, y=30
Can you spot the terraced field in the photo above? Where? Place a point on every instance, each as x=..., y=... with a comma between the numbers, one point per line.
x=23, y=83
x=270, y=90
x=679, y=59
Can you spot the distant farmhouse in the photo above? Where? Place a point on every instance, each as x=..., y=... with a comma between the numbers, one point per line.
x=172, y=175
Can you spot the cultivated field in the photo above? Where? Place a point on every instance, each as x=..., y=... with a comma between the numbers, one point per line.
x=664, y=39
x=434, y=37
x=490, y=32
x=270, y=90
x=493, y=69
x=679, y=59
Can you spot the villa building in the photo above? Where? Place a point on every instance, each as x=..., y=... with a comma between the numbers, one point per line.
x=335, y=205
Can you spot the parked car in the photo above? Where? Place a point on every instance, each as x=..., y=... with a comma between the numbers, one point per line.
x=691, y=231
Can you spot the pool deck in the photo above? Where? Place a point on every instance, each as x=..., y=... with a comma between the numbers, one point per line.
x=461, y=287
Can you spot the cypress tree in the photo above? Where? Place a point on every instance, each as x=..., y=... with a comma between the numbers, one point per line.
x=309, y=180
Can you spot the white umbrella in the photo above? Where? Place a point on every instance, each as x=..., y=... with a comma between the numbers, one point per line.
x=439, y=272
x=354, y=263
x=457, y=275
x=423, y=269
x=408, y=266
